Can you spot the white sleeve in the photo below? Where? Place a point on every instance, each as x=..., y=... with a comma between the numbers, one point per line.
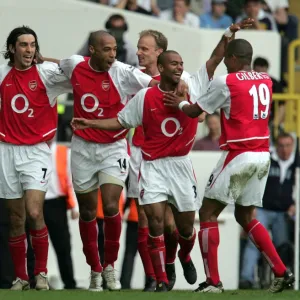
x=131, y=115
x=69, y=64
x=54, y=79
x=217, y=96
x=133, y=79
x=198, y=83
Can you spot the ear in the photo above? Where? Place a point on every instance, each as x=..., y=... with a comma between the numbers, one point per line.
x=91, y=49
x=159, y=51
x=160, y=68
x=11, y=48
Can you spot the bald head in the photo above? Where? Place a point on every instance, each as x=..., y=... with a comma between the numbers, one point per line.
x=99, y=36
x=241, y=49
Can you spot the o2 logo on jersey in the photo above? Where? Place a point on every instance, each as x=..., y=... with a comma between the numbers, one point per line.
x=178, y=128
x=95, y=106
x=20, y=105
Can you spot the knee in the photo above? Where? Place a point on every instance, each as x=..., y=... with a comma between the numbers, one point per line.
x=111, y=209
x=143, y=221
x=242, y=218
x=87, y=213
x=207, y=216
x=35, y=215
x=156, y=225
x=17, y=221
x=169, y=226
x=186, y=230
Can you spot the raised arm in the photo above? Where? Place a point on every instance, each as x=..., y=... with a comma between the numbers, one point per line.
x=219, y=52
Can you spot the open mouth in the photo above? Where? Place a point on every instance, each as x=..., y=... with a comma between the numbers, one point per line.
x=177, y=75
x=28, y=58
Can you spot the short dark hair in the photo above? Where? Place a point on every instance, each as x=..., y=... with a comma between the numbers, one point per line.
x=241, y=49
x=12, y=40
x=94, y=35
x=261, y=62
x=284, y=135
x=161, y=57
x=249, y=1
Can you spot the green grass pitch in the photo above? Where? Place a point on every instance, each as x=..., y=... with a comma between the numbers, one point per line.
x=137, y=295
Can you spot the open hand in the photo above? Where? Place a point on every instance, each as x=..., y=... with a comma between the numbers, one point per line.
x=172, y=99
x=245, y=24
x=79, y=123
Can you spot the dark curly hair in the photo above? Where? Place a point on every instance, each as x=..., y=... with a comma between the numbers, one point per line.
x=12, y=39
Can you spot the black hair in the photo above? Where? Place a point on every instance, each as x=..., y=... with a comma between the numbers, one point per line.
x=94, y=35
x=261, y=62
x=12, y=40
x=241, y=49
x=161, y=58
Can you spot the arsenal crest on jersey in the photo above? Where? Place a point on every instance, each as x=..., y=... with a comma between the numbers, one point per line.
x=105, y=85
x=32, y=85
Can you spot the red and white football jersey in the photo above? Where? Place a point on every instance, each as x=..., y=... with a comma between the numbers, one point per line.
x=101, y=95
x=138, y=136
x=168, y=132
x=245, y=101
x=28, y=110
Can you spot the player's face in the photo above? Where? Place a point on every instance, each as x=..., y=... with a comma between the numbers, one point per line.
x=285, y=147
x=24, y=51
x=147, y=52
x=104, y=52
x=172, y=68
x=252, y=9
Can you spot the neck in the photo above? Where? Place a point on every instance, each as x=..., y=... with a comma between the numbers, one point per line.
x=215, y=16
x=168, y=86
x=94, y=65
x=246, y=68
x=151, y=70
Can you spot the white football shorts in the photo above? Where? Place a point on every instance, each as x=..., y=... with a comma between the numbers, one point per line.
x=169, y=179
x=24, y=167
x=239, y=178
x=134, y=170
x=94, y=164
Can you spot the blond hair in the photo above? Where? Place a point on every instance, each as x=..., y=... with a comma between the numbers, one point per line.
x=160, y=39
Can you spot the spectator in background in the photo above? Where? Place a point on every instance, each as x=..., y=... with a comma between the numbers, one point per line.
x=116, y=25
x=263, y=21
x=287, y=26
x=211, y=141
x=260, y=64
x=180, y=13
x=149, y=5
x=132, y=5
x=277, y=204
x=216, y=19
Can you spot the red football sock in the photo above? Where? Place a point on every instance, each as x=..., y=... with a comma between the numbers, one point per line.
x=18, y=250
x=171, y=242
x=261, y=239
x=157, y=251
x=40, y=245
x=186, y=246
x=89, y=237
x=209, y=240
x=143, y=251
x=112, y=233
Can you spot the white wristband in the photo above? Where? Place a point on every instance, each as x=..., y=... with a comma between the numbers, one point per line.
x=228, y=32
x=181, y=104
